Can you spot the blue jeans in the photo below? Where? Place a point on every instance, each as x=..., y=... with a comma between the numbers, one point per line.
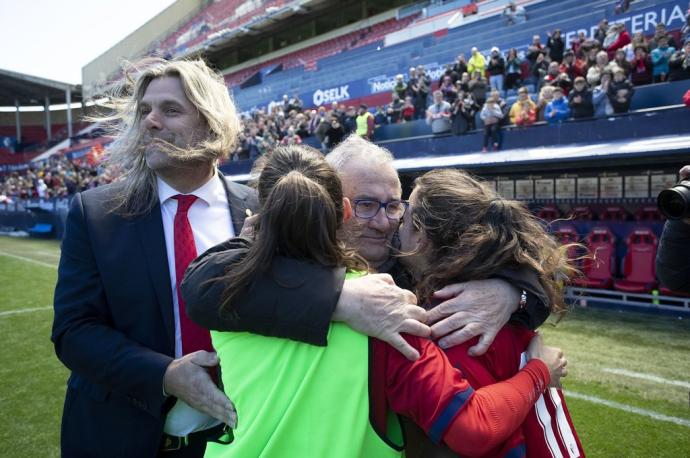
x=496, y=82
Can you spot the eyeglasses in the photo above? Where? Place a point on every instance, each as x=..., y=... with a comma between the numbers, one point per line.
x=369, y=208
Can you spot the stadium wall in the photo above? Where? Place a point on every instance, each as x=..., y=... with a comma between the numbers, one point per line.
x=136, y=44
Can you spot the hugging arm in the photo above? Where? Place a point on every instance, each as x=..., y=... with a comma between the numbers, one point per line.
x=297, y=299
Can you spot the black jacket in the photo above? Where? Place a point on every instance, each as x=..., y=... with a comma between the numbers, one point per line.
x=673, y=256
x=301, y=296
x=584, y=109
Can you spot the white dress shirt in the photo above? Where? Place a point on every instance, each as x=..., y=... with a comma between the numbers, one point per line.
x=209, y=217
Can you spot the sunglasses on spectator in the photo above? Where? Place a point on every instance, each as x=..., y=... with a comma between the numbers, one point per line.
x=369, y=208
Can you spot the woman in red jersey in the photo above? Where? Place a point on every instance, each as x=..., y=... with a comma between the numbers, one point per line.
x=458, y=229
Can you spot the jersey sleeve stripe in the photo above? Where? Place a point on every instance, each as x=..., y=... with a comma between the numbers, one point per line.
x=442, y=422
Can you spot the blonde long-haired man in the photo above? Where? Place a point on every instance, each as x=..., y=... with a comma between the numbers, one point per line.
x=138, y=364
x=142, y=381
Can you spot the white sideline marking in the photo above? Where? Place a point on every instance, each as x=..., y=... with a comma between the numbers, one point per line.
x=627, y=408
x=20, y=311
x=644, y=376
x=22, y=258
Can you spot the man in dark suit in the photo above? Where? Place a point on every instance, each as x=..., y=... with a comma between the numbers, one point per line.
x=119, y=324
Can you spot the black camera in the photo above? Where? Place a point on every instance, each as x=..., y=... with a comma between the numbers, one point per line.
x=674, y=203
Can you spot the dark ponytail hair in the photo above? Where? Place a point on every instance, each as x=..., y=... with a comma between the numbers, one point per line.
x=301, y=202
x=473, y=233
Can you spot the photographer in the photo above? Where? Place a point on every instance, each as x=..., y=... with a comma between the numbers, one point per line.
x=673, y=257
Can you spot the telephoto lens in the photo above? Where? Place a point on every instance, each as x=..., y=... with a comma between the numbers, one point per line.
x=674, y=203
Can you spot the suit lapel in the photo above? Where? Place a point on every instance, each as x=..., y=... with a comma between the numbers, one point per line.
x=150, y=229
x=238, y=206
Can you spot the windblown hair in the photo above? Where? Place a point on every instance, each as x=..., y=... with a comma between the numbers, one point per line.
x=473, y=234
x=204, y=88
x=301, y=200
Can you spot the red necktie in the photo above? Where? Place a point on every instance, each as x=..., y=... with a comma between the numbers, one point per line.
x=194, y=337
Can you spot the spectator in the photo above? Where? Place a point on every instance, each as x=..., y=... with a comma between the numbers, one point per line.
x=468, y=110
x=464, y=82
x=620, y=92
x=478, y=88
x=557, y=110
x=448, y=89
x=534, y=50
x=580, y=100
x=616, y=38
x=594, y=72
x=460, y=65
x=422, y=92
x=296, y=103
x=621, y=6
x=335, y=133
x=380, y=117
x=491, y=115
x=555, y=45
x=364, y=122
x=539, y=69
x=553, y=77
x=321, y=132
x=291, y=138
x=514, y=14
x=513, y=70
x=660, y=59
x=459, y=124
x=408, y=110
x=545, y=96
x=577, y=43
x=637, y=40
x=679, y=64
x=660, y=33
x=600, y=33
x=350, y=121
x=570, y=66
x=496, y=69
x=395, y=109
x=621, y=62
x=400, y=88
x=600, y=98
x=477, y=62
x=523, y=113
x=438, y=114
x=641, y=67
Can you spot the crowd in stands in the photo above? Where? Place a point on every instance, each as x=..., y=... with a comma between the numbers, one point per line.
x=288, y=123
x=594, y=77
x=55, y=177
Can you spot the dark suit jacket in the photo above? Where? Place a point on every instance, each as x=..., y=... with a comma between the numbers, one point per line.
x=114, y=324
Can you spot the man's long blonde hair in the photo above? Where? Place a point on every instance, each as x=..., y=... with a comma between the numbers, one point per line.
x=204, y=88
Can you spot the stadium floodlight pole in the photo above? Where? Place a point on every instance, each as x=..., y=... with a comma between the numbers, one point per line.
x=68, y=97
x=17, y=121
x=47, y=119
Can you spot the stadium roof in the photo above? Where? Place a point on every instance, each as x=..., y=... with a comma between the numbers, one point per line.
x=32, y=90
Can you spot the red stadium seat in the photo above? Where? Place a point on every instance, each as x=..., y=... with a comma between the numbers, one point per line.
x=649, y=213
x=598, y=269
x=638, y=263
x=549, y=213
x=613, y=213
x=581, y=212
x=669, y=292
x=567, y=234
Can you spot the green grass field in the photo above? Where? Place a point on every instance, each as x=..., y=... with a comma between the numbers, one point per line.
x=628, y=389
